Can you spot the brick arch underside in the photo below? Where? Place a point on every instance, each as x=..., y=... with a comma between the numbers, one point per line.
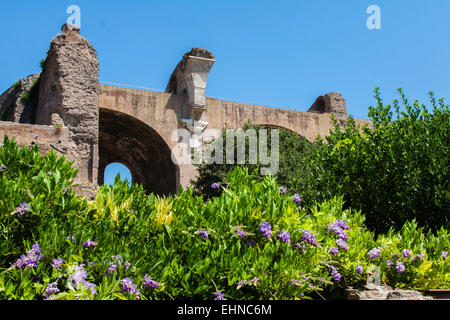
x=127, y=140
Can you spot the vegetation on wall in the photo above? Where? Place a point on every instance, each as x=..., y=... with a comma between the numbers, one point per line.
x=31, y=93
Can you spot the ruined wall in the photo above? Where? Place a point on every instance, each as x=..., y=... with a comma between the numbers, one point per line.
x=161, y=112
x=166, y=112
x=68, y=95
x=95, y=125
x=18, y=103
x=47, y=137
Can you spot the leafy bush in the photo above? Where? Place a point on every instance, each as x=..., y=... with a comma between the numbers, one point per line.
x=30, y=180
x=293, y=174
x=395, y=172
x=251, y=242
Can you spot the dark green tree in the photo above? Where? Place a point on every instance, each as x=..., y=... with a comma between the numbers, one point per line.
x=293, y=173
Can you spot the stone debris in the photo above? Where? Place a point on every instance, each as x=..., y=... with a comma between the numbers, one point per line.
x=382, y=292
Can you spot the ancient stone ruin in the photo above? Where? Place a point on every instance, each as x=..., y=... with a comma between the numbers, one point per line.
x=66, y=109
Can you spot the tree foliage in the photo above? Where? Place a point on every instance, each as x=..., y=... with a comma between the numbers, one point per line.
x=294, y=172
x=396, y=171
x=251, y=242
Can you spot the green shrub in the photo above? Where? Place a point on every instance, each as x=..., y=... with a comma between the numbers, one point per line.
x=182, y=247
x=395, y=172
x=35, y=181
x=293, y=173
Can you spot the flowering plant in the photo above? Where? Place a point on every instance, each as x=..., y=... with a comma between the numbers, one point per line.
x=251, y=242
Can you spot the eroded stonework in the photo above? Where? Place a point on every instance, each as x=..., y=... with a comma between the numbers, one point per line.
x=95, y=125
x=68, y=96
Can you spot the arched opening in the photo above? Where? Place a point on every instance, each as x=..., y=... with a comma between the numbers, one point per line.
x=131, y=142
x=114, y=169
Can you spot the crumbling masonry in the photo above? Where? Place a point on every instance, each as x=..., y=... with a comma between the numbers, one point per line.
x=66, y=109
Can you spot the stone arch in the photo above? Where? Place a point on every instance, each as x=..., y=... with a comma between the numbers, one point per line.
x=277, y=126
x=131, y=142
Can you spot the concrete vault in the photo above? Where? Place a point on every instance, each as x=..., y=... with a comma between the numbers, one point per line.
x=129, y=141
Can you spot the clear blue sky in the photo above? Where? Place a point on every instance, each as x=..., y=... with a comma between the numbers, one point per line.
x=278, y=53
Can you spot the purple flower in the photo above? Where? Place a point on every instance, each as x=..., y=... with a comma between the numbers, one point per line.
x=118, y=259
x=52, y=288
x=400, y=267
x=112, y=268
x=203, y=233
x=71, y=238
x=342, y=235
x=30, y=260
x=297, y=198
x=265, y=228
x=22, y=209
x=342, y=244
x=374, y=253
x=335, y=274
x=389, y=264
x=219, y=295
x=359, y=269
x=282, y=190
x=341, y=224
x=284, y=236
x=300, y=247
x=215, y=186
x=417, y=257
x=309, y=237
x=89, y=244
x=336, y=277
x=149, y=283
x=334, y=251
x=126, y=265
x=241, y=284
x=255, y=281
x=127, y=286
x=241, y=233
x=295, y=283
x=406, y=253
x=57, y=263
x=444, y=255
x=79, y=276
x=36, y=249
x=338, y=227
x=322, y=280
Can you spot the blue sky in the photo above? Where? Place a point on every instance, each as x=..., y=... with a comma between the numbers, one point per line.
x=277, y=53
